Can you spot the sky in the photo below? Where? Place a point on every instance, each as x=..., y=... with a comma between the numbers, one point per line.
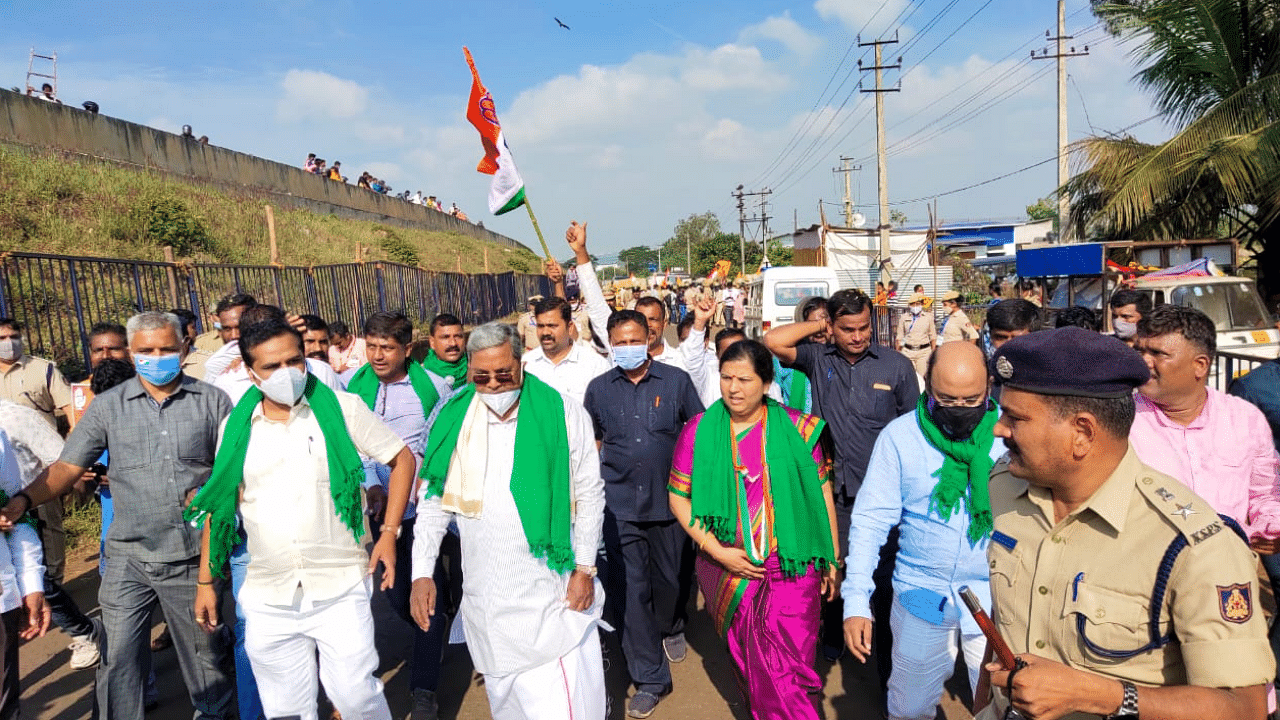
x=639, y=115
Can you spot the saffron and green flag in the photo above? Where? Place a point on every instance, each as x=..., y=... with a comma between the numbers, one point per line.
x=506, y=193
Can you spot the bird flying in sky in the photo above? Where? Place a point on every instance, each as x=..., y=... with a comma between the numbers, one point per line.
x=566, y=27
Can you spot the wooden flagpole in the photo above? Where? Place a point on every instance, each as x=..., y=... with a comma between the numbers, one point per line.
x=536, y=229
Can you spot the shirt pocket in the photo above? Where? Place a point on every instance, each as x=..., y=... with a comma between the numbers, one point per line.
x=1100, y=623
x=662, y=417
x=195, y=442
x=1004, y=581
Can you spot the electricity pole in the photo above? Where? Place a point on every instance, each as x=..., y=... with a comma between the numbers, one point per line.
x=1061, y=56
x=847, y=169
x=882, y=171
x=762, y=218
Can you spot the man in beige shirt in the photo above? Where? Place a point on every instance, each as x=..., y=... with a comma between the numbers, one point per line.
x=917, y=335
x=1090, y=546
x=955, y=323
x=30, y=381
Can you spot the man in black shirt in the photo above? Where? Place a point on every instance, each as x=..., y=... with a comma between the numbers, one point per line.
x=638, y=409
x=858, y=388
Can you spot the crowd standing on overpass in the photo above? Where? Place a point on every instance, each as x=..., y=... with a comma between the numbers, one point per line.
x=575, y=475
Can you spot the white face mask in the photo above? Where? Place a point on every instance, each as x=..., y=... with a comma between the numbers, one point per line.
x=500, y=402
x=915, y=309
x=11, y=349
x=1125, y=330
x=285, y=385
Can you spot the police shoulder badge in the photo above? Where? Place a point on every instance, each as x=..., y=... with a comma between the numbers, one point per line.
x=1004, y=367
x=1235, y=603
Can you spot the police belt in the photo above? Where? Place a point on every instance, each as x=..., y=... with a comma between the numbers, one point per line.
x=914, y=347
x=1157, y=600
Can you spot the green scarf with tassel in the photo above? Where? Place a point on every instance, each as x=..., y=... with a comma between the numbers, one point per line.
x=457, y=371
x=365, y=384
x=539, y=471
x=965, y=471
x=801, y=526
x=220, y=496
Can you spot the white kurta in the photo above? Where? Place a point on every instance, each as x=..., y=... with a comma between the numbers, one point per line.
x=513, y=605
x=572, y=374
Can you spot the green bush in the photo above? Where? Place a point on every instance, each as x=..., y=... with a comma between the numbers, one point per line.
x=165, y=221
x=397, y=249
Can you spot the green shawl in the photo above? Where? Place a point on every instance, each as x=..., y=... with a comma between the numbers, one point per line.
x=365, y=384
x=799, y=391
x=220, y=496
x=801, y=525
x=455, y=370
x=539, y=472
x=966, y=467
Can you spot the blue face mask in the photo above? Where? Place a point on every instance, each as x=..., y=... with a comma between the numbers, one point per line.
x=158, y=369
x=629, y=357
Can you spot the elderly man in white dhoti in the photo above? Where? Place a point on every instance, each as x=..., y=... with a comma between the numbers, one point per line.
x=517, y=467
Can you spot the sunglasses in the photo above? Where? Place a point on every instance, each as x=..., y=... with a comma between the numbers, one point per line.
x=503, y=378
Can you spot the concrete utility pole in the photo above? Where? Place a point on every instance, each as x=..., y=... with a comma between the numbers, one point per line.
x=882, y=170
x=763, y=218
x=847, y=169
x=1061, y=55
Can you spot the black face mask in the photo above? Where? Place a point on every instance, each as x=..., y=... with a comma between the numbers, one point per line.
x=957, y=423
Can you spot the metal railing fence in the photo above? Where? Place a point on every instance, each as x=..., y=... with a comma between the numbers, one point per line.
x=58, y=298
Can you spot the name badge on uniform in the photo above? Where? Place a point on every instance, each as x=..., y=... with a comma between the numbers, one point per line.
x=1000, y=538
x=882, y=386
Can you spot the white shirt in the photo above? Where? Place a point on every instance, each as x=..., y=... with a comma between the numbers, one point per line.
x=598, y=308
x=235, y=383
x=21, y=559
x=673, y=357
x=295, y=536
x=704, y=368
x=36, y=445
x=572, y=374
x=513, y=605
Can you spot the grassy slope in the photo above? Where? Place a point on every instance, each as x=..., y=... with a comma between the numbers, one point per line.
x=52, y=204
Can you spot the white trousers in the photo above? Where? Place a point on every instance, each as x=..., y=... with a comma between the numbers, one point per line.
x=570, y=688
x=924, y=656
x=282, y=642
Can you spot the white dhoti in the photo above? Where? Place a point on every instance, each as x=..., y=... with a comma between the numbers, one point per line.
x=282, y=643
x=568, y=688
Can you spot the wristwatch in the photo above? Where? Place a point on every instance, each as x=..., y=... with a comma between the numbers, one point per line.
x=1129, y=706
x=588, y=570
x=391, y=528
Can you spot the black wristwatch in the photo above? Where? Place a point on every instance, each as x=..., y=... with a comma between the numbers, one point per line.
x=24, y=496
x=1129, y=706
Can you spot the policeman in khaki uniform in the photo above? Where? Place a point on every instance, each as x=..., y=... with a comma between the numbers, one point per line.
x=1090, y=545
x=956, y=325
x=917, y=334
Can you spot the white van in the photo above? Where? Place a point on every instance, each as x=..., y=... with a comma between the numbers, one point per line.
x=772, y=296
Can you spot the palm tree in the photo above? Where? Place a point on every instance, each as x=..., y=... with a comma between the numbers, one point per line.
x=1214, y=68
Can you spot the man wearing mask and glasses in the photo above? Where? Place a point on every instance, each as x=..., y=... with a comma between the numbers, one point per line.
x=162, y=428
x=513, y=463
x=638, y=409
x=927, y=476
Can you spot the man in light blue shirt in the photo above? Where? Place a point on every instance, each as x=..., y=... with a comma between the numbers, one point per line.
x=927, y=476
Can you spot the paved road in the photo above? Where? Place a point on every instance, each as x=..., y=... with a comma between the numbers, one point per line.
x=705, y=684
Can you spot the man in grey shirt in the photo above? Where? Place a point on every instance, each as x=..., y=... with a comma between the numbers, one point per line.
x=162, y=430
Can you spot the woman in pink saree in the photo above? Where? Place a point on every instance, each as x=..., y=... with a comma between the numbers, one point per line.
x=749, y=483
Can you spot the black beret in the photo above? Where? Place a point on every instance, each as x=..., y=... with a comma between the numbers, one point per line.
x=1069, y=361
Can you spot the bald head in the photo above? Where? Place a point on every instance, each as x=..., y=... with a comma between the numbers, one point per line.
x=957, y=371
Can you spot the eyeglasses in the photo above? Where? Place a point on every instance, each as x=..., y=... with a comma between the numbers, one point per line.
x=504, y=377
x=960, y=402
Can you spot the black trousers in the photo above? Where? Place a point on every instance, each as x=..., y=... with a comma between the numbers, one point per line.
x=9, y=641
x=648, y=571
x=881, y=597
x=428, y=645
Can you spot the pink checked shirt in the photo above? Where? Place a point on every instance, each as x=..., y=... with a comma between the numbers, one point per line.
x=1226, y=456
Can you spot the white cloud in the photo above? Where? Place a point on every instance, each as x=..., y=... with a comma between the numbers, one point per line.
x=730, y=67
x=724, y=140
x=784, y=30
x=866, y=16
x=309, y=93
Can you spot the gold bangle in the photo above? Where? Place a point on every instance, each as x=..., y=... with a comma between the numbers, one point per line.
x=202, y=582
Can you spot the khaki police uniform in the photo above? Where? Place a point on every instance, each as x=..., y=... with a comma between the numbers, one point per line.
x=193, y=365
x=917, y=334
x=957, y=326
x=528, y=327
x=1101, y=563
x=209, y=341
x=38, y=384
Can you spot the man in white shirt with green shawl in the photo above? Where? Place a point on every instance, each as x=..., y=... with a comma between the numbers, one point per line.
x=517, y=467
